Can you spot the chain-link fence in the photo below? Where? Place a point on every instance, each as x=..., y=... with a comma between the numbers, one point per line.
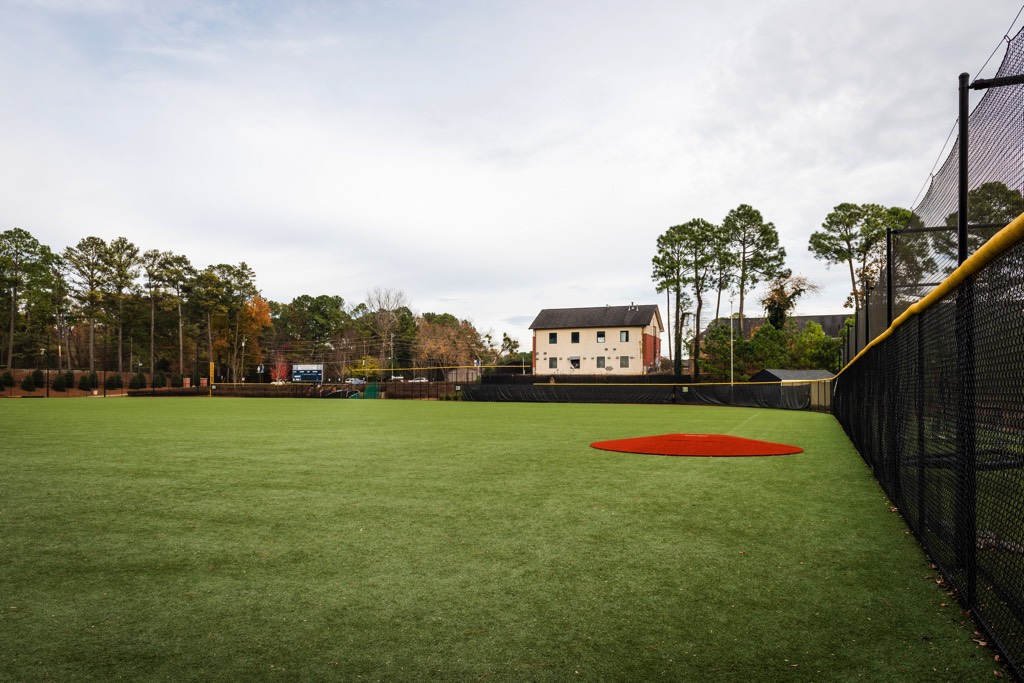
x=936, y=408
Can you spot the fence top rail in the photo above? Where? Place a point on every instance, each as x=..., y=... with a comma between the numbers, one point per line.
x=999, y=243
x=787, y=382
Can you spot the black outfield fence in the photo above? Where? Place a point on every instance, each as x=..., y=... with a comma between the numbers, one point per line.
x=369, y=390
x=268, y=390
x=814, y=395
x=652, y=389
x=935, y=405
x=529, y=380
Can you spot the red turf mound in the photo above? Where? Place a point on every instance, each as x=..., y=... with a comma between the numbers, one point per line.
x=696, y=445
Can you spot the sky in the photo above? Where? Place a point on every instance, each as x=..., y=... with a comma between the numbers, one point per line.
x=488, y=159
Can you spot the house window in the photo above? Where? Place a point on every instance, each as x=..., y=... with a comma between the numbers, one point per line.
x=600, y=337
x=552, y=337
x=552, y=362
x=574, y=363
x=575, y=338
x=600, y=362
x=623, y=361
x=624, y=336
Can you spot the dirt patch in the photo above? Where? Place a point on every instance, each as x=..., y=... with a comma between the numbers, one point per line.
x=696, y=445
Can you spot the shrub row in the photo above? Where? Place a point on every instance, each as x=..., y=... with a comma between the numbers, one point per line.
x=87, y=381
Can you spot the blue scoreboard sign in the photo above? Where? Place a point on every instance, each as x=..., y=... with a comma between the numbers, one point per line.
x=309, y=372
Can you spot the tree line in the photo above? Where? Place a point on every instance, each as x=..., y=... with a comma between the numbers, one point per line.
x=708, y=260
x=696, y=262
x=110, y=305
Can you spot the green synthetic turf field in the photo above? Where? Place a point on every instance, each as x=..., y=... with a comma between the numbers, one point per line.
x=263, y=539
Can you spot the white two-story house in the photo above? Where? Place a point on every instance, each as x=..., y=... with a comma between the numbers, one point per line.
x=623, y=340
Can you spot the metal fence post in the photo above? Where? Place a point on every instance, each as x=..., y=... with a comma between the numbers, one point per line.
x=893, y=419
x=966, y=493
x=961, y=222
x=966, y=503
x=867, y=314
x=888, y=277
x=921, y=456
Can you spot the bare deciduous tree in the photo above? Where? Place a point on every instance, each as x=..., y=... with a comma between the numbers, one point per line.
x=383, y=305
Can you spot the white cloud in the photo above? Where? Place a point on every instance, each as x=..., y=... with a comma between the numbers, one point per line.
x=489, y=159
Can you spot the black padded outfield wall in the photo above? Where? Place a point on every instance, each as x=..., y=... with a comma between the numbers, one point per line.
x=760, y=395
x=570, y=393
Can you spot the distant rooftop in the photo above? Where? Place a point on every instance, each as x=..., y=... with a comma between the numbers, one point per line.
x=790, y=375
x=831, y=324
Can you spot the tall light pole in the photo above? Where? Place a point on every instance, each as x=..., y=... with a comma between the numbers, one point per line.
x=243, y=359
x=731, y=380
x=105, y=331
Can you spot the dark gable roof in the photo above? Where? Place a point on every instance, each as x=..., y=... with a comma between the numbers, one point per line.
x=790, y=375
x=831, y=325
x=599, y=316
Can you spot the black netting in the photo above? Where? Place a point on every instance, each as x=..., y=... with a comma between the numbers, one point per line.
x=994, y=148
x=936, y=410
x=925, y=252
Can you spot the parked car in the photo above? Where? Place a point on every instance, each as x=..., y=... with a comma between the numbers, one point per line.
x=355, y=380
x=419, y=379
x=396, y=378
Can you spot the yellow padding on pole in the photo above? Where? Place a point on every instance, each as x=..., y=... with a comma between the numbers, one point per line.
x=999, y=243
